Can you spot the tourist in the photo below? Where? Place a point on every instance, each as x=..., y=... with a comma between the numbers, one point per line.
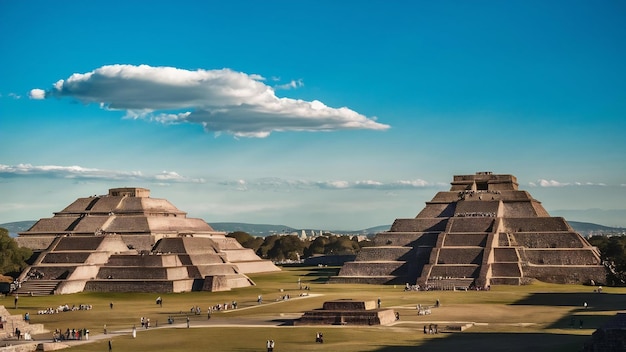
x=159, y=301
x=187, y=322
x=111, y=305
x=134, y=332
x=105, y=329
x=15, y=300
x=259, y=299
x=110, y=346
x=319, y=337
x=379, y=301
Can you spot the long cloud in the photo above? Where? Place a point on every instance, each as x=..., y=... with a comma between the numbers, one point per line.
x=553, y=183
x=83, y=173
x=263, y=184
x=222, y=101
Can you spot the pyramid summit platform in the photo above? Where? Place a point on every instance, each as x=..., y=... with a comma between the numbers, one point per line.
x=483, y=231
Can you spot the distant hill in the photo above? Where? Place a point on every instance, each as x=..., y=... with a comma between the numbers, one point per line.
x=18, y=226
x=584, y=228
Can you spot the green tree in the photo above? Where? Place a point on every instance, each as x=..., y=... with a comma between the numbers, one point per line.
x=613, y=255
x=12, y=257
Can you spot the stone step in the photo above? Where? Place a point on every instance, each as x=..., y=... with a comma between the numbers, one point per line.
x=38, y=287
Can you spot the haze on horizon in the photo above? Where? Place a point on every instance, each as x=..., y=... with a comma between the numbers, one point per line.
x=318, y=114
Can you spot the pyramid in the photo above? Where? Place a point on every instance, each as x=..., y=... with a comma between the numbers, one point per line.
x=483, y=231
x=126, y=241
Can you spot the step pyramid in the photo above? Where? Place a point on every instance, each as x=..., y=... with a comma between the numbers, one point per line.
x=126, y=241
x=483, y=231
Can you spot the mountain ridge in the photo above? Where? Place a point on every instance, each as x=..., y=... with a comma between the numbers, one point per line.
x=584, y=228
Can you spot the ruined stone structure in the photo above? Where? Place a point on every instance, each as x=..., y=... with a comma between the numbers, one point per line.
x=128, y=242
x=484, y=231
x=348, y=312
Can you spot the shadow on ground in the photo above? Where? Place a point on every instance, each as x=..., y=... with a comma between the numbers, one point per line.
x=595, y=301
x=323, y=274
x=495, y=342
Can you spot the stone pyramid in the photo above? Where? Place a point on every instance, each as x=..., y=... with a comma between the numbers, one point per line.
x=126, y=241
x=484, y=231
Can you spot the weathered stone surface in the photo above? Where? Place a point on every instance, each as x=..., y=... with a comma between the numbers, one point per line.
x=128, y=242
x=483, y=231
x=348, y=312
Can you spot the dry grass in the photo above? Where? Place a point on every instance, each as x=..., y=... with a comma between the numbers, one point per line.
x=508, y=318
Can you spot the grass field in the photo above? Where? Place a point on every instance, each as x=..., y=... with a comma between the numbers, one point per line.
x=534, y=317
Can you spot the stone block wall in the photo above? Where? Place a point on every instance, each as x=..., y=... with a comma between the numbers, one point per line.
x=128, y=273
x=466, y=239
x=477, y=206
x=148, y=286
x=565, y=274
x=385, y=253
x=505, y=255
x=437, y=210
x=79, y=243
x=535, y=224
x=54, y=272
x=34, y=242
x=548, y=240
x=135, y=260
x=460, y=255
x=406, y=239
x=373, y=268
x=505, y=270
x=455, y=270
x=419, y=225
x=474, y=225
x=348, y=304
x=561, y=257
x=518, y=210
x=65, y=257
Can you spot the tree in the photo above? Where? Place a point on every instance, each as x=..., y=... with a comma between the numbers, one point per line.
x=246, y=240
x=12, y=257
x=613, y=255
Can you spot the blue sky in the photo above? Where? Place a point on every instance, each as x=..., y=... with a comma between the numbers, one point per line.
x=313, y=114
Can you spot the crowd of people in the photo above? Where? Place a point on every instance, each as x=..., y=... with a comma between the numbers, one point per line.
x=65, y=308
x=73, y=334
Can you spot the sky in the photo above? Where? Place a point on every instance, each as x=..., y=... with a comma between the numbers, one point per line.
x=335, y=115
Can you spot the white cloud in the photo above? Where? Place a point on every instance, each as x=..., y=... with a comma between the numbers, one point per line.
x=277, y=184
x=220, y=100
x=553, y=183
x=291, y=85
x=37, y=94
x=82, y=173
x=15, y=96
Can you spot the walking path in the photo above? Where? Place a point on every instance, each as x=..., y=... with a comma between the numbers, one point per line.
x=239, y=322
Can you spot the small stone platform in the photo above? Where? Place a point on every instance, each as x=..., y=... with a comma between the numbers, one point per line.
x=348, y=312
